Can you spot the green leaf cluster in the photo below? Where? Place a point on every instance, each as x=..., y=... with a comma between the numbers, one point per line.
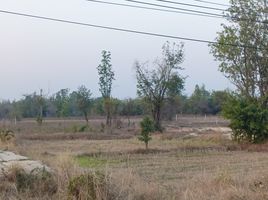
x=249, y=119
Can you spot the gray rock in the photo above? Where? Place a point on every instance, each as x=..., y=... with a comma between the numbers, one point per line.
x=9, y=159
x=6, y=156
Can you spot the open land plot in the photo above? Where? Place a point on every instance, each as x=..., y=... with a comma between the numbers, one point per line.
x=182, y=163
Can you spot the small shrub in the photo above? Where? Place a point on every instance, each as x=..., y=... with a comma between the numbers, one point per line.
x=147, y=126
x=80, y=129
x=83, y=128
x=75, y=129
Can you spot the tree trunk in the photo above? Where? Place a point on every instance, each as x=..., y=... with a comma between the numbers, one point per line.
x=86, y=117
x=157, y=117
x=107, y=103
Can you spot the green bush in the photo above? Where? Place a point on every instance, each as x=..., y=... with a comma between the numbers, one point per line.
x=248, y=117
x=147, y=127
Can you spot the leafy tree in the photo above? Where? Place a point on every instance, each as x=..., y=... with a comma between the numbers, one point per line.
x=218, y=99
x=73, y=108
x=200, y=100
x=147, y=127
x=244, y=61
x=83, y=99
x=28, y=105
x=106, y=77
x=61, y=99
x=98, y=107
x=155, y=85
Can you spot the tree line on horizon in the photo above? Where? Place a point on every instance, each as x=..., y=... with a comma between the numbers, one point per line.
x=66, y=103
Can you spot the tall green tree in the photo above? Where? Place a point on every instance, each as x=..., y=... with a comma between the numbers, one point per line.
x=61, y=99
x=83, y=98
x=245, y=61
x=242, y=50
x=106, y=77
x=164, y=80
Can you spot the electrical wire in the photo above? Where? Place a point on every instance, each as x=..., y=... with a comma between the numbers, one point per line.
x=213, y=3
x=124, y=30
x=176, y=8
x=192, y=5
x=149, y=8
x=199, y=12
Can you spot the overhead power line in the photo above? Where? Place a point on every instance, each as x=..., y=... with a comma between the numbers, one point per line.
x=192, y=5
x=123, y=30
x=176, y=8
x=199, y=12
x=150, y=8
x=212, y=3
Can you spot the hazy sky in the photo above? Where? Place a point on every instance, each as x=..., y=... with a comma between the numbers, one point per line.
x=37, y=54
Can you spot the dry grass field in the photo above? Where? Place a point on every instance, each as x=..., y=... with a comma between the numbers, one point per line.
x=192, y=159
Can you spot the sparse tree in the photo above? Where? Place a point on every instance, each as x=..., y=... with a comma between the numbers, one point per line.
x=163, y=81
x=83, y=99
x=106, y=77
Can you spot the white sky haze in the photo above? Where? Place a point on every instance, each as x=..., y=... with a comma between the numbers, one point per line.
x=37, y=54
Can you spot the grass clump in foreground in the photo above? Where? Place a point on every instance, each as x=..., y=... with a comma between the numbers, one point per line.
x=88, y=186
x=17, y=183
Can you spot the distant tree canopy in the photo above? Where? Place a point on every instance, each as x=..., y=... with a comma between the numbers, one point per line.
x=66, y=105
x=245, y=64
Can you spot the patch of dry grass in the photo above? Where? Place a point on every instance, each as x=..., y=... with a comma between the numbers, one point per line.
x=177, y=166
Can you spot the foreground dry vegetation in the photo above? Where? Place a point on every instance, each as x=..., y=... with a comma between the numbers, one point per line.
x=187, y=163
